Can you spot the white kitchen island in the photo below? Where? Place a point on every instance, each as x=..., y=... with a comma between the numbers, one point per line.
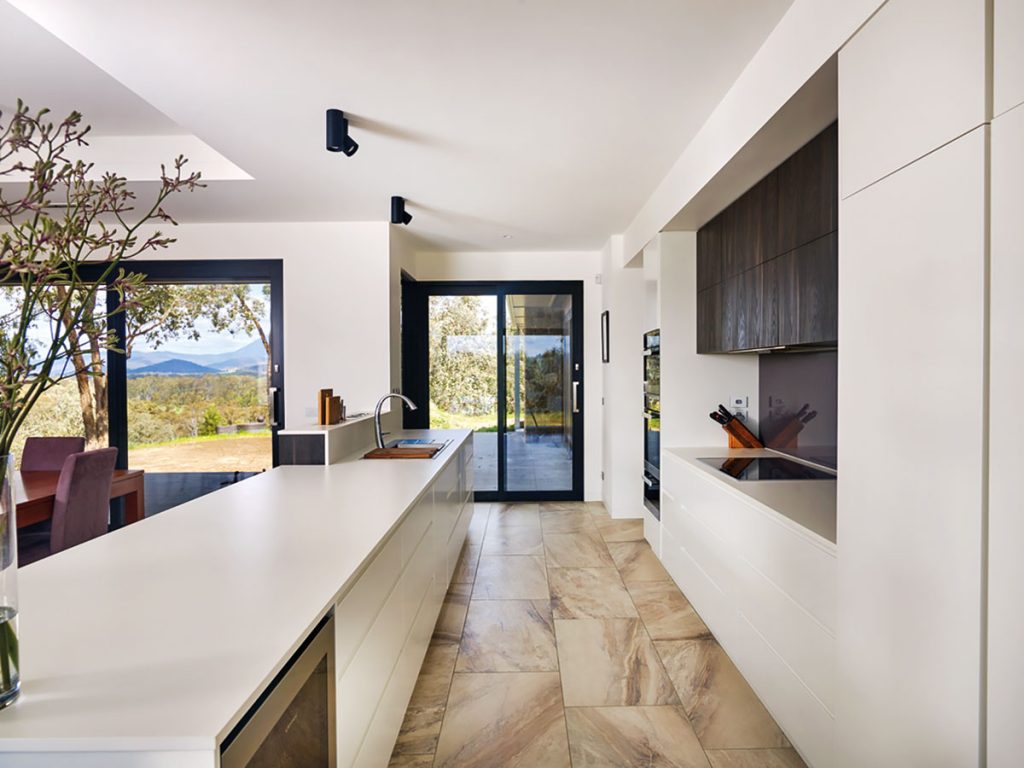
x=146, y=646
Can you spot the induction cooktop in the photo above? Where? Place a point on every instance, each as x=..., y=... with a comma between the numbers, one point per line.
x=766, y=469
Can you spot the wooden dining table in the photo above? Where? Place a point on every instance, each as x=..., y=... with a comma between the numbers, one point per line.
x=34, y=494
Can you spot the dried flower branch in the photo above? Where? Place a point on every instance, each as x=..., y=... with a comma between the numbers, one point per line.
x=61, y=218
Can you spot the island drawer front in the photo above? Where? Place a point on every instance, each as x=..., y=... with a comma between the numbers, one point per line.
x=800, y=565
x=415, y=524
x=356, y=611
x=387, y=720
x=418, y=576
x=361, y=685
x=457, y=539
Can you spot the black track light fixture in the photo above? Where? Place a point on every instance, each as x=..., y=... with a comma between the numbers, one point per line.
x=398, y=213
x=338, y=139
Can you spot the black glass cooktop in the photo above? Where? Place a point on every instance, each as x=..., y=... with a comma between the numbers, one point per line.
x=766, y=469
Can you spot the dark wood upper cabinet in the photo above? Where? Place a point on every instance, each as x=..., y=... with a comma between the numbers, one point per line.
x=771, y=258
x=807, y=281
x=808, y=192
x=709, y=313
x=709, y=255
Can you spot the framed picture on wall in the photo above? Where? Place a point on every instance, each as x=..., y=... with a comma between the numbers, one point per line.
x=606, y=352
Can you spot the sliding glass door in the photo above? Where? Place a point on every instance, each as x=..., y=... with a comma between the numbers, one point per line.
x=505, y=360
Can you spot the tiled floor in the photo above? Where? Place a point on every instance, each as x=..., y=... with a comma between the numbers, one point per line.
x=563, y=643
x=536, y=462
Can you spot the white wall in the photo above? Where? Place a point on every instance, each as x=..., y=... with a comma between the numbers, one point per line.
x=693, y=385
x=1006, y=449
x=560, y=265
x=912, y=359
x=623, y=377
x=336, y=302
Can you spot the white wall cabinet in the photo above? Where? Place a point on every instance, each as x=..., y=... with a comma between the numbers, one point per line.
x=1006, y=453
x=384, y=623
x=912, y=79
x=1008, y=55
x=766, y=591
x=912, y=319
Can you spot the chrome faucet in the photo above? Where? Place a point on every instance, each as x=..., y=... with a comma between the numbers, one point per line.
x=376, y=414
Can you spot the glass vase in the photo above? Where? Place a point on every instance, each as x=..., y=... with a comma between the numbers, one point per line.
x=10, y=682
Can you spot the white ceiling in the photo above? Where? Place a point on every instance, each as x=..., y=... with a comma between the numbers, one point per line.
x=548, y=121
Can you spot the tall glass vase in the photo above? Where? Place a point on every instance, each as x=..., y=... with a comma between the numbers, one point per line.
x=10, y=682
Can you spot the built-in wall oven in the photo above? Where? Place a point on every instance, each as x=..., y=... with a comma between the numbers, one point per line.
x=652, y=422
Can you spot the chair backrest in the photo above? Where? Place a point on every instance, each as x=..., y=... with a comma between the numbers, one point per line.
x=47, y=454
x=81, y=504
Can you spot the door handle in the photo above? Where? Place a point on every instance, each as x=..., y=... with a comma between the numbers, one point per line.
x=272, y=396
x=575, y=397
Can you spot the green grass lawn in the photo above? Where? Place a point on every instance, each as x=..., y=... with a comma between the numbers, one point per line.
x=203, y=439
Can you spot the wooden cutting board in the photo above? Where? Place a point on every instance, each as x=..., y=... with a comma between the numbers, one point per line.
x=403, y=453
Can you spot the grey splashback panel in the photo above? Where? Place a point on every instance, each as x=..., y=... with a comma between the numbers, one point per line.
x=795, y=382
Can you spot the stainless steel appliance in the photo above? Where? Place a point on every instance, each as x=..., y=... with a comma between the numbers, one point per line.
x=652, y=422
x=292, y=724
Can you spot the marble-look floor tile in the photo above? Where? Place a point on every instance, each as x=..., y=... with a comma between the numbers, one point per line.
x=514, y=540
x=620, y=530
x=508, y=636
x=637, y=562
x=598, y=509
x=511, y=515
x=411, y=761
x=512, y=720
x=453, y=613
x=610, y=662
x=667, y=614
x=566, y=520
x=632, y=737
x=755, y=758
x=723, y=708
x=589, y=593
x=465, y=568
x=511, y=577
x=423, y=717
x=576, y=550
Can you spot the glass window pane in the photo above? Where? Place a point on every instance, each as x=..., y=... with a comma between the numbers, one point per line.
x=464, y=376
x=538, y=417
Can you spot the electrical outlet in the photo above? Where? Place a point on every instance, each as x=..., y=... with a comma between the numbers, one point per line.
x=739, y=401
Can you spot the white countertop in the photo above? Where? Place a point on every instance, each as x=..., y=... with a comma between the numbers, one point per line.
x=810, y=504
x=160, y=635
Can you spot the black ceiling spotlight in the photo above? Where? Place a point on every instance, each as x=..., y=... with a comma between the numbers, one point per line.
x=398, y=213
x=338, y=139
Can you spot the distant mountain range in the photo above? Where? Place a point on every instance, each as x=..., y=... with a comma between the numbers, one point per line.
x=252, y=358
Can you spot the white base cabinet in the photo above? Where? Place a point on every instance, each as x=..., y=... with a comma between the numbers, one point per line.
x=766, y=589
x=385, y=622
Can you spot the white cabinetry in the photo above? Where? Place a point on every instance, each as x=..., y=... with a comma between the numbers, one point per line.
x=1008, y=55
x=384, y=623
x=912, y=314
x=766, y=589
x=1006, y=452
x=911, y=80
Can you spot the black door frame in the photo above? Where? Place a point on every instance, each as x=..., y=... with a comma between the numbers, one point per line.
x=416, y=366
x=196, y=272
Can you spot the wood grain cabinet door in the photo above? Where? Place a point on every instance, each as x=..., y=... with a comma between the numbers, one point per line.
x=808, y=289
x=808, y=192
x=709, y=319
x=709, y=254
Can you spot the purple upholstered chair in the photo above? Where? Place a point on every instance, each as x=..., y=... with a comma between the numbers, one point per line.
x=47, y=454
x=81, y=505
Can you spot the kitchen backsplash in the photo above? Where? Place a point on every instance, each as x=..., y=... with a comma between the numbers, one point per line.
x=798, y=395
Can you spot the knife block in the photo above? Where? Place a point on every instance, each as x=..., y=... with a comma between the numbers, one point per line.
x=740, y=436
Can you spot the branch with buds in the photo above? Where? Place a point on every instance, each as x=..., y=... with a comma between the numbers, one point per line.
x=58, y=219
